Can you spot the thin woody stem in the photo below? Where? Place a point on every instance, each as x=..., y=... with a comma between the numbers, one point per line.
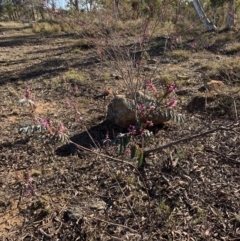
x=188, y=138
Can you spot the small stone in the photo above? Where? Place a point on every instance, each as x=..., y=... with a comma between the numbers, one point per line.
x=165, y=61
x=183, y=92
x=116, y=76
x=214, y=85
x=152, y=61
x=149, y=68
x=146, y=68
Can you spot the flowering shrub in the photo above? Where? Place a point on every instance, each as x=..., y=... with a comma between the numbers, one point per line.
x=56, y=131
x=132, y=143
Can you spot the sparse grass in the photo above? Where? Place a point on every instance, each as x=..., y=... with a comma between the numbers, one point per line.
x=82, y=44
x=168, y=78
x=180, y=153
x=46, y=28
x=130, y=27
x=77, y=76
x=233, y=48
x=163, y=209
x=179, y=55
x=107, y=76
x=199, y=217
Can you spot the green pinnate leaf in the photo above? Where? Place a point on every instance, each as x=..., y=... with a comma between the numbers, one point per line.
x=133, y=151
x=125, y=142
x=121, y=145
x=140, y=159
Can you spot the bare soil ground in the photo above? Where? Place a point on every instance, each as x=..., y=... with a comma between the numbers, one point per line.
x=189, y=191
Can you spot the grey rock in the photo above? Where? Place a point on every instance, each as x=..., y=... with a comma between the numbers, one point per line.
x=121, y=111
x=184, y=92
x=165, y=61
x=152, y=61
x=116, y=76
x=149, y=68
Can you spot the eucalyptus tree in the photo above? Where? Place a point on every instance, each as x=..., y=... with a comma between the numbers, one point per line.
x=230, y=19
x=231, y=15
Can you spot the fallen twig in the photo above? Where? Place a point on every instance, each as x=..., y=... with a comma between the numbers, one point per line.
x=188, y=138
x=115, y=224
x=45, y=234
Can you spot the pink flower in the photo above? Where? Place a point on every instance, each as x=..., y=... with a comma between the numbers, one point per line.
x=27, y=92
x=67, y=103
x=128, y=151
x=29, y=191
x=61, y=128
x=171, y=103
x=151, y=86
x=44, y=122
x=141, y=107
x=171, y=88
x=149, y=123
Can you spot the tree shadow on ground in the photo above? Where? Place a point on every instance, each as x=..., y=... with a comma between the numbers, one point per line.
x=85, y=139
x=98, y=135
x=48, y=68
x=14, y=41
x=31, y=39
x=220, y=108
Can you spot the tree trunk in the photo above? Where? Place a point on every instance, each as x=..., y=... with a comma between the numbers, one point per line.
x=76, y=5
x=115, y=12
x=230, y=20
x=207, y=23
x=41, y=11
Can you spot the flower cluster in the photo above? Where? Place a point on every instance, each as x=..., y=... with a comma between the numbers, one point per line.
x=28, y=98
x=27, y=181
x=150, y=86
x=171, y=88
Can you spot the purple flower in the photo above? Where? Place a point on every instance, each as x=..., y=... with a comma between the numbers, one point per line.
x=132, y=129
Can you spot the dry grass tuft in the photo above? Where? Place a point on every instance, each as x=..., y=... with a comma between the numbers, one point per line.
x=46, y=28
x=179, y=55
